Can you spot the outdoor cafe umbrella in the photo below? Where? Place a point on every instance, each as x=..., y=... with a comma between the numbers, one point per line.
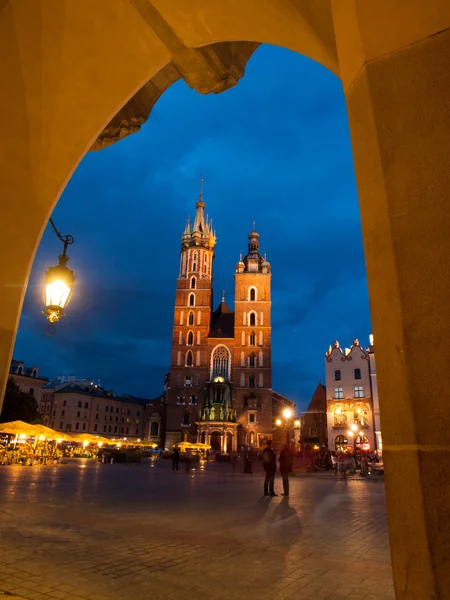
x=201, y=446
x=47, y=433
x=19, y=428
x=88, y=438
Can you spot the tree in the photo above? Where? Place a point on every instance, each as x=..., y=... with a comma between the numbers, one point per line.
x=17, y=405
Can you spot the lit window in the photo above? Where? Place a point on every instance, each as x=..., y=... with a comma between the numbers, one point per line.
x=359, y=391
x=220, y=363
x=340, y=418
x=341, y=443
x=337, y=375
x=361, y=417
x=357, y=373
x=188, y=380
x=338, y=392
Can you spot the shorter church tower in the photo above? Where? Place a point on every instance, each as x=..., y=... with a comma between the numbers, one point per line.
x=252, y=365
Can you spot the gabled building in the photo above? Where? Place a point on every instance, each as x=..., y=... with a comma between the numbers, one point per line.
x=314, y=420
x=350, y=410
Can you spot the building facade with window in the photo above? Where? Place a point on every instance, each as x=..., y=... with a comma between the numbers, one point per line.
x=350, y=412
x=28, y=379
x=220, y=383
x=314, y=420
x=79, y=406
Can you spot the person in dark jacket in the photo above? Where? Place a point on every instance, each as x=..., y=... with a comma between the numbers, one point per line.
x=175, y=458
x=270, y=467
x=285, y=461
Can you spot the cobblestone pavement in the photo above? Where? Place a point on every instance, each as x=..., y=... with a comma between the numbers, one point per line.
x=135, y=532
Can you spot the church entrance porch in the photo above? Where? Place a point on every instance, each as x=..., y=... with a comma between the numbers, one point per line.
x=220, y=435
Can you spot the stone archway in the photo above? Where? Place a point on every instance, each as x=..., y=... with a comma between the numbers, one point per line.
x=215, y=441
x=66, y=80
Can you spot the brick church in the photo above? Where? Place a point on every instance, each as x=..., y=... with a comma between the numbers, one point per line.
x=219, y=389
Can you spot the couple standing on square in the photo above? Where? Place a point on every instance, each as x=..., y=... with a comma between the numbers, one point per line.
x=269, y=459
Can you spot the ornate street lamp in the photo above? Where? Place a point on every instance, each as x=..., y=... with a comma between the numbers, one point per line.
x=59, y=282
x=288, y=415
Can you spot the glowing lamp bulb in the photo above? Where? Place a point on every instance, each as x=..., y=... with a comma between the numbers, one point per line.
x=278, y=422
x=59, y=282
x=287, y=413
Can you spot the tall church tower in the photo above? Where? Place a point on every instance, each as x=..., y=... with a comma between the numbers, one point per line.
x=189, y=369
x=252, y=364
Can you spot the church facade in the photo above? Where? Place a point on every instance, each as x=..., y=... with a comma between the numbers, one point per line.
x=219, y=389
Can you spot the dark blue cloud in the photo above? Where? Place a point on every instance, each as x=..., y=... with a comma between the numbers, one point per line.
x=275, y=149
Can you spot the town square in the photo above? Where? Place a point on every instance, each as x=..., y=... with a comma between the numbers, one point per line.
x=133, y=531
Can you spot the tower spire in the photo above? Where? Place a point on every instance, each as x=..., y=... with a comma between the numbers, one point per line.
x=200, y=232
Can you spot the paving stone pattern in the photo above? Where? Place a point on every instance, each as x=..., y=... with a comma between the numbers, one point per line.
x=135, y=532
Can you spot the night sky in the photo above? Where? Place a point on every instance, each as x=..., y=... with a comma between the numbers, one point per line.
x=274, y=149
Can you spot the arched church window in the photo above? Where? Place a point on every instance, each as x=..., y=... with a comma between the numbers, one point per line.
x=252, y=297
x=190, y=339
x=191, y=299
x=252, y=339
x=194, y=262
x=189, y=359
x=252, y=319
x=252, y=360
x=220, y=363
x=193, y=283
x=191, y=318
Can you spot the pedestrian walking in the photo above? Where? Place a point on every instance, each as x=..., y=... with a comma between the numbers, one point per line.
x=334, y=463
x=285, y=461
x=364, y=464
x=175, y=458
x=270, y=467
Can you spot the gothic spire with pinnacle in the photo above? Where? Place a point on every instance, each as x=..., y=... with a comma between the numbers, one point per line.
x=199, y=233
